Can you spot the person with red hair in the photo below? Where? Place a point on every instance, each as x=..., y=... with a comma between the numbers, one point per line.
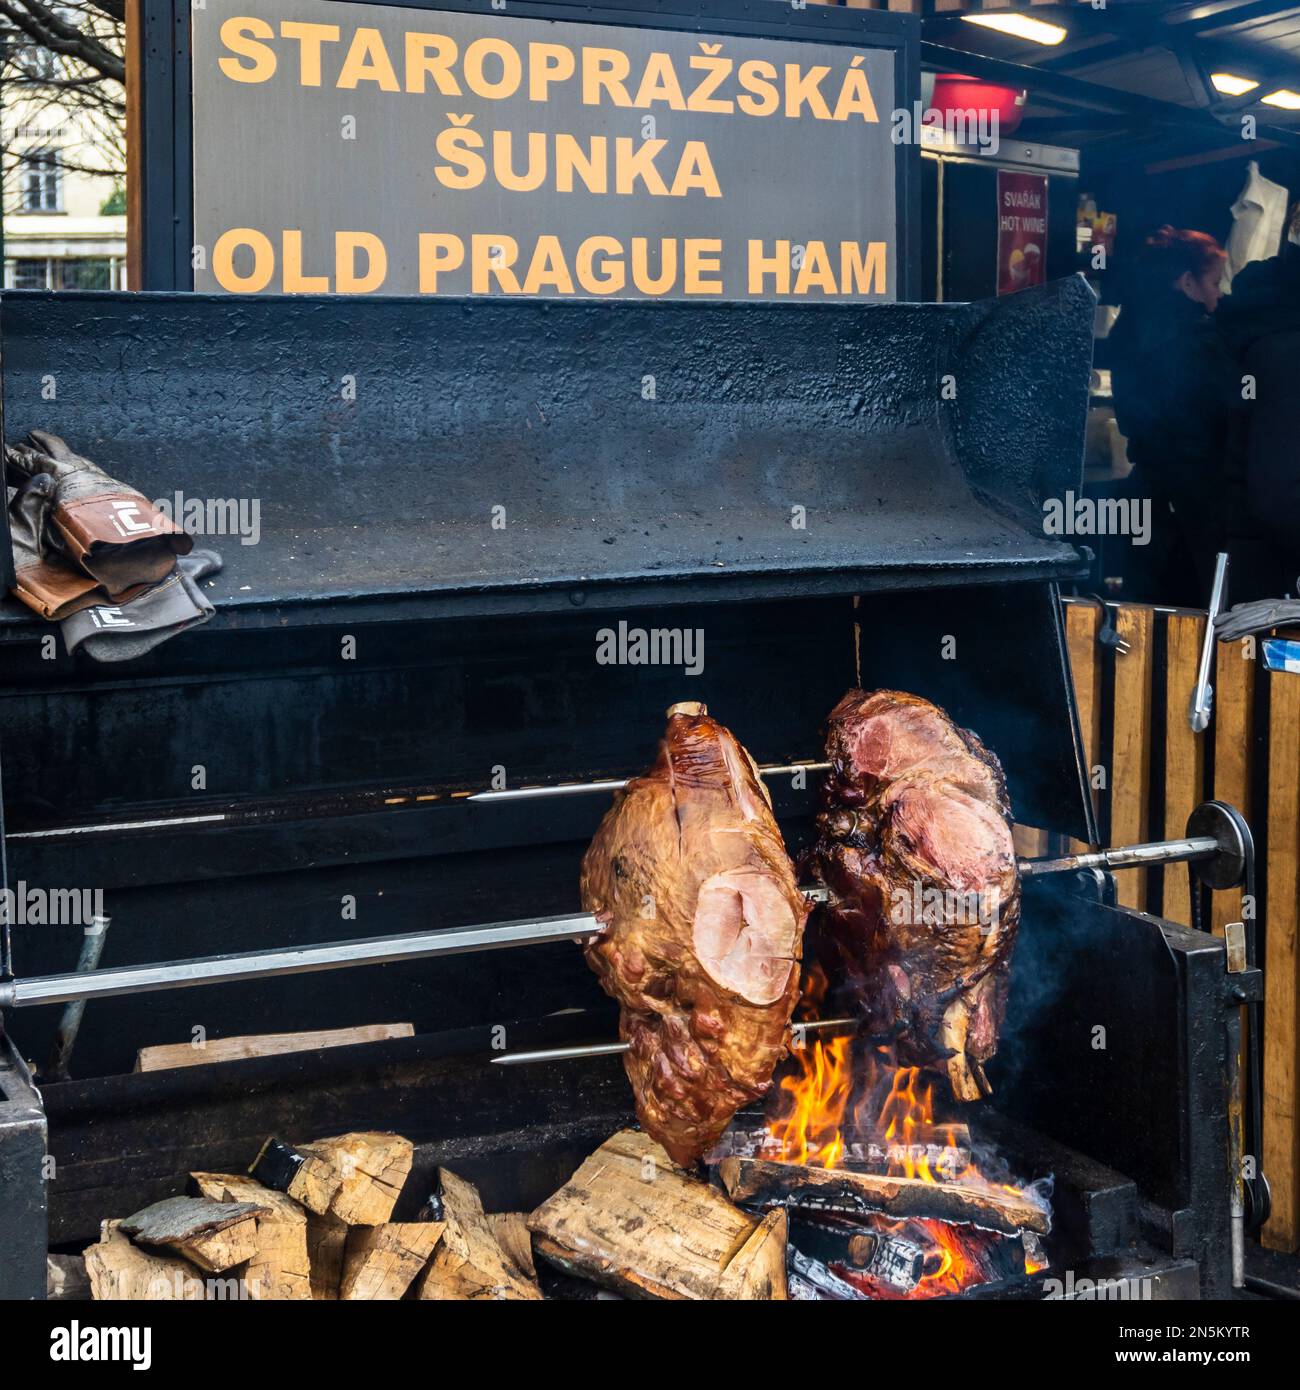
x=1177, y=389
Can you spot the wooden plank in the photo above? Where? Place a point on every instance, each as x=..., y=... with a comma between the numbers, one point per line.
x=380, y=1262
x=905, y=6
x=1029, y=842
x=280, y=1270
x=1184, y=752
x=773, y=1183
x=515, y=1239
x=167, y=1056
x=212, y=1235
x=1082, y=623
x=1234, y=736
x=119, y=1271
x=1130, y=769
x=355, y=1177
x=469, y=1263
x=630, y=1219
x=1281, y=1160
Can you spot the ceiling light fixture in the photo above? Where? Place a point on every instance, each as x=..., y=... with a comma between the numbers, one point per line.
x=1283, y=97
x=1231, y=85
x=1019, y=26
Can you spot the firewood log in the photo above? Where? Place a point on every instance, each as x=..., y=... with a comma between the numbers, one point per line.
x=514, y=1237
x=119, y=1270
x=280, y=1268
x=631, y=1220
x=66, y=1280
x=356, y=1177
x=327, y=1239
x=212, y=1235
x=467, y=1262
x=762, y=1182
x=380, y=1262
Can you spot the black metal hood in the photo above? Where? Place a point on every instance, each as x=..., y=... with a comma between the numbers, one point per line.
x=643, y=453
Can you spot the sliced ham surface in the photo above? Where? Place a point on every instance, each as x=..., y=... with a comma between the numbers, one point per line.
x=704, y=932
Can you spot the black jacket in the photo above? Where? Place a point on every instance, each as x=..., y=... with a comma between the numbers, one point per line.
x=1176, y=388
x=1261, y=323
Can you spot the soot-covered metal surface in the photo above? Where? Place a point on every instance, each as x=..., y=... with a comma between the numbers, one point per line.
x=656, y=445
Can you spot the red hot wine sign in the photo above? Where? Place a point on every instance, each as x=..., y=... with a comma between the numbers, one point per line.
x=1022, y=230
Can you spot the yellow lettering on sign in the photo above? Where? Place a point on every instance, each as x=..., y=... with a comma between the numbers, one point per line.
x=421, y=63
x=547, y=63
x=804, y=88
x=310, y=39
x=459, y=147
x=699, y=263
x=241, y=35
x=862, y=268
x=477, y=79
x=589, y=277
x=590, y=166
x=439, y=252
x=604, y=69
x=347, y=279
x=491, y=257
x=815, y=270
x=503, y=142
x=548, y=267
x=635, y=159
x=777, y=265
x=759, y=78
x=223, y=260
x=659, y=83
x=293, y=280
x=696, y=171
x=641, y=276
x=368, y=61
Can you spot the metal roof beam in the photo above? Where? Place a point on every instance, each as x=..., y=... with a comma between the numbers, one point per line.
x=1060, y=88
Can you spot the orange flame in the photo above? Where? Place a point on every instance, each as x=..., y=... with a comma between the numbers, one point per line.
x=826, y=1108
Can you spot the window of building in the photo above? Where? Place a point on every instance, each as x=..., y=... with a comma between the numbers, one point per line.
x=42, y=181
x=83, y=273
x=65, y=273
x=28, y=274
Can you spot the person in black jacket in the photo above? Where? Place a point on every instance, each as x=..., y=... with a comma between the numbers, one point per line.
x=1177, y=388
x=1261, y=323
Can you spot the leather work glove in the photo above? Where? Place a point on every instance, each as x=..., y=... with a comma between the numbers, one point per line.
x=95, y=523
x=45, y=582
x=122, y=631
x=1260, y=616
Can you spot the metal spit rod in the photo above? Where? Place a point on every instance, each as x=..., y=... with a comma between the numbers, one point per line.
x=379, y=950
x=1125, y=856
x=293, y=960
x=566, y=1054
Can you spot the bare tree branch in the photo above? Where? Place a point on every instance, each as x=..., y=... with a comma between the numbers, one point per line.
x=49, y=30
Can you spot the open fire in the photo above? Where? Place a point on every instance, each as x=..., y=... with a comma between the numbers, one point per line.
x=852, y=1147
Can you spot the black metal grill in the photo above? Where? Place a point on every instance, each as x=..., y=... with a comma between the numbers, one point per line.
x=648, y=457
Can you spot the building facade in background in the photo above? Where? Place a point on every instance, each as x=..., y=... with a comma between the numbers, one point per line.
x=64, y=202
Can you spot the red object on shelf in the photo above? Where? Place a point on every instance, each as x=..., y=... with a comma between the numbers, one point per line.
x=953, y=92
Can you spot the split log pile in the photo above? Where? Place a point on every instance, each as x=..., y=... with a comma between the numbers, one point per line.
x=631, y=1220
x=311, y=1222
